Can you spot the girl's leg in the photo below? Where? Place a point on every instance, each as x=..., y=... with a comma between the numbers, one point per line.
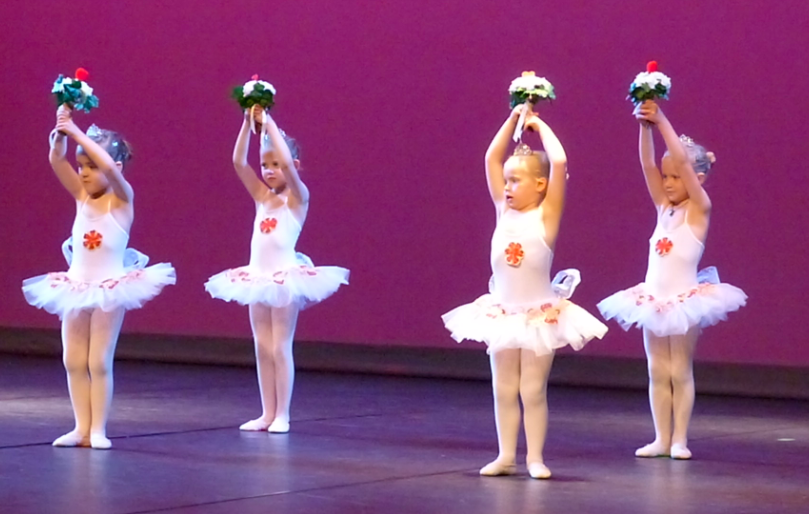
x=75, y=351
x=284, y=321
x=104, y=330
x=534, y=372
x=658, y=356
x=505, y=366
x=261, y=323
x=682, y=375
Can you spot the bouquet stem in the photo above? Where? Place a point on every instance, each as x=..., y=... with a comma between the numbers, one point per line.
x=521, y=122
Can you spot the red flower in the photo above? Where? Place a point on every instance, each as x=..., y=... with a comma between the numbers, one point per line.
x=82, y=74
x=663, y=246
x=109, y=283
x=514, y=254
x=268, y=225
x=651, y=66
x=254, y=77
x=551, y=313
x=309, y=271
x=278, y=277
x=92, y=240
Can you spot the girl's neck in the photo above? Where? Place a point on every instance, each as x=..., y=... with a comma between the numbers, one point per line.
x=533, y=206
x=98, y=194
x=674, y=207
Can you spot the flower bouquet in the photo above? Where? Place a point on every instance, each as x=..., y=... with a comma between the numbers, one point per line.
x=649, y=85
x=528, y=89
x=75, y=93
x=255, y=92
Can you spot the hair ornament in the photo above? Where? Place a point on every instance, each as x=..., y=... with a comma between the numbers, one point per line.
x=523, y=149
x=686, y=141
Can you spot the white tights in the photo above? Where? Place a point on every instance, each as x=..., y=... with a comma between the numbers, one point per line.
x=273, y=331
x=520, y=375
x=671, y=392
x=89, y=338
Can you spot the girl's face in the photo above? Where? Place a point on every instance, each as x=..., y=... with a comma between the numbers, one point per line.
x=93, y=180
x=672, y=181
x=524, y=190
x=271, y=170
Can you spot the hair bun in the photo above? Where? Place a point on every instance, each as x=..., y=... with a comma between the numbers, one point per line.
x=129, y=154
x=711, y=157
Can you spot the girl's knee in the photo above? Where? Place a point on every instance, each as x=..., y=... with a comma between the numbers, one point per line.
x=534, y=393
x=99, y=367
x=282, y=353
x=264, y=349
x=74, y=362
x=506, y=390
x=682, y=377
x=659, y=371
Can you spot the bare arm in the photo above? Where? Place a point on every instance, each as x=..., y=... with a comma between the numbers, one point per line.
x=646, y=150
x=697, y=196
x=61, y=166
x=247, y=175
x=554, y=201
x=99, y=156
x=496, y=156
x=297, y=188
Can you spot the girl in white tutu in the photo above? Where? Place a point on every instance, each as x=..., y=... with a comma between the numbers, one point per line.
x=277, y=282
x=104, y=279
x=674, y=301
x=525, y=318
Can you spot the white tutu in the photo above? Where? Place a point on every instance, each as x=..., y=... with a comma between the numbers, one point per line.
x=542, y=328
x=704, y=305
x=57, y=293
x=302, y=283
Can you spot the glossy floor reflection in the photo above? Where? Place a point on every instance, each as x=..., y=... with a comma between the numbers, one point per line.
x=371, y=444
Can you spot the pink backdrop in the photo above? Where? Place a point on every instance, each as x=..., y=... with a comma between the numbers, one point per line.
x=394, y=103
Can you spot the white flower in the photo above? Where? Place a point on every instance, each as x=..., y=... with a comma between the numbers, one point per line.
x=59, y=86
x=86, y=89
x=652, y=79
x=528, y=82
x=247, y=90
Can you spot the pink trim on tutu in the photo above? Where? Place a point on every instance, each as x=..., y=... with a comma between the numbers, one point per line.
x=302, y=284
x=706, y=304
x=57, y=293
x=542, y=328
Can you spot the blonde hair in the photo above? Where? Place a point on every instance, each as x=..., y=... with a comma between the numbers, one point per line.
x=535, y=161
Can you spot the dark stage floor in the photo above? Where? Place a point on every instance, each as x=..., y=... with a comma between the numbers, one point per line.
x=370, y=444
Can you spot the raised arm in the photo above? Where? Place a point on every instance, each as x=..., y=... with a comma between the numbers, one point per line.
x=651, y=173
x=64, y=171
x=496, y=156
x=246, y=173
x=297, y=188
x=99, y=157
x=554, y=202
x=696, y=194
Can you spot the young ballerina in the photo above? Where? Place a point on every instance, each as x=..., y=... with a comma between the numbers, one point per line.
x=525, y=318
x=674, y=301
x=278, y=282
x=104, y=279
